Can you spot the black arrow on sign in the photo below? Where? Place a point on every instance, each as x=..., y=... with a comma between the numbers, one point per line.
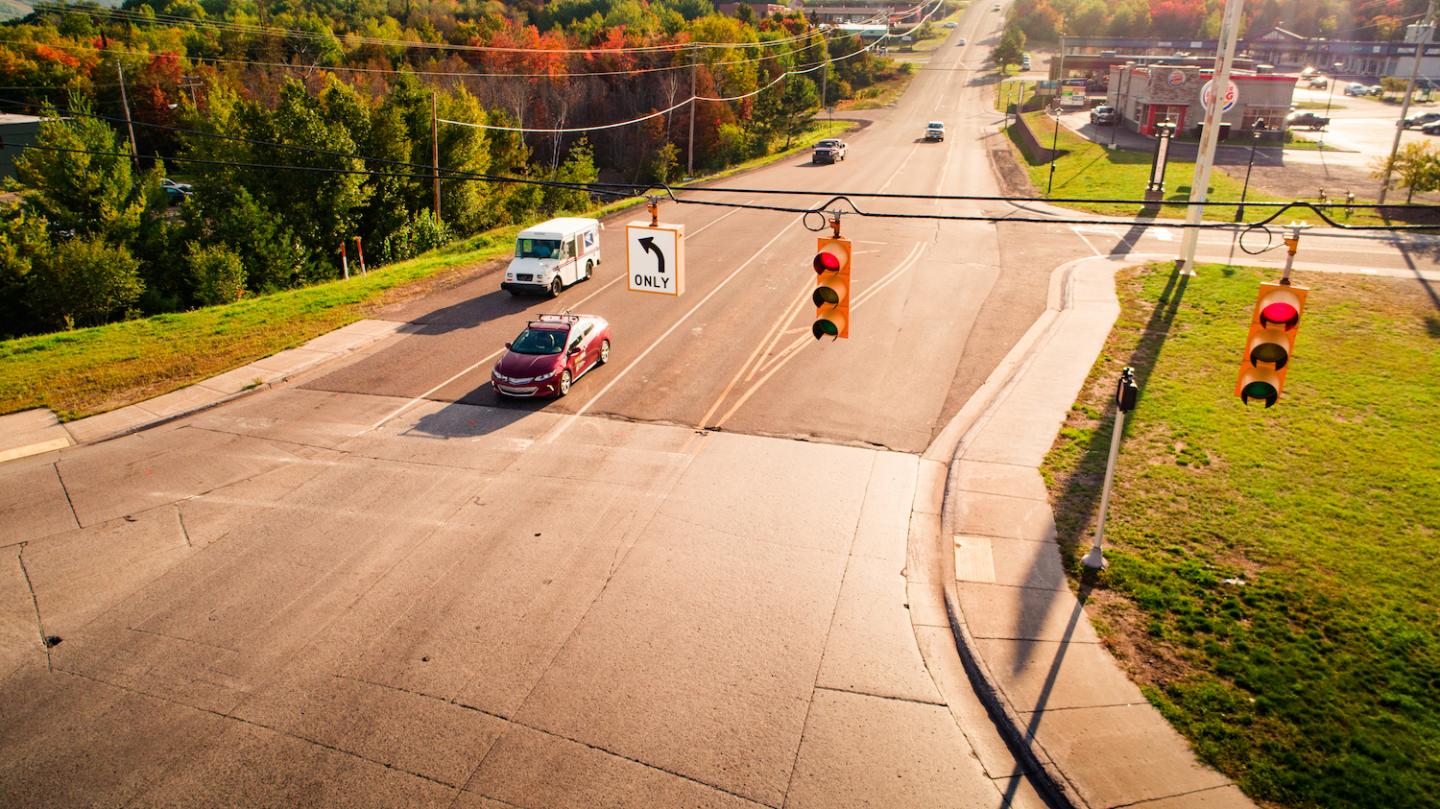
x=647, y=243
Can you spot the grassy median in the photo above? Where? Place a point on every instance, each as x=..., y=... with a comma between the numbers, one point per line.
x=1089, y=170
x=87, y=371
x=1272, y=582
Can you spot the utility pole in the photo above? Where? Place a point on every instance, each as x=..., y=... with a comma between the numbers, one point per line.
x=1426, y=28
x=435, y=147
x=690, y=150
x=1229, y=30
x=124, y=101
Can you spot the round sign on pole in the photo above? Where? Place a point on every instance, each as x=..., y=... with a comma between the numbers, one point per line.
x=1207, y=96
x=1176, y=78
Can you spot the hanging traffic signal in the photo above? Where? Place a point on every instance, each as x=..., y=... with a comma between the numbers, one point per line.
x=832, y=288
x=1271, y=344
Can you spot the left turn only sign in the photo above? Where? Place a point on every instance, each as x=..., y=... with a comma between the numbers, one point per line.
x=656, y=256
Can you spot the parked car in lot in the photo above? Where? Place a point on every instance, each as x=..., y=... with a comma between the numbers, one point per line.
x=1104, y=115
x=952, y=24
x=551, y=354
x=1306, y=120
x=1432, y=128
x=175, y=192
x=829, y=150
x=1375, y=90
x=1355, y=88
x=1418, y=121
x=1317, y=83
x=935, y=130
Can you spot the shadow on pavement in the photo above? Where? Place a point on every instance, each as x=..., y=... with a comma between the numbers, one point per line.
x=480, y=412
x=472, y=312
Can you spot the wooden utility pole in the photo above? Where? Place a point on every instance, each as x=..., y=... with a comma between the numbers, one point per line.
x=1426, y=29
x=125, y=102
x=690, y=150
x=435, y=147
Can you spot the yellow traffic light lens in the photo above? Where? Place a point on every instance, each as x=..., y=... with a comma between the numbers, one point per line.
x=825, y=295
x=825, y=261
x=1273, y=353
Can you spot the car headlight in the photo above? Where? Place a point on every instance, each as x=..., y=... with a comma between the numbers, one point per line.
x=548, y=375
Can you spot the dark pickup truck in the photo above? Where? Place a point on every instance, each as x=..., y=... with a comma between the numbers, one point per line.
x=1306, y=120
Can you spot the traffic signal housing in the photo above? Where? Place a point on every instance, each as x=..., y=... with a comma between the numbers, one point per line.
x=1268, y=350
x=832, y=288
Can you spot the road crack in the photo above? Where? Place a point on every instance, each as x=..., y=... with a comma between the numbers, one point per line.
x=45, y=640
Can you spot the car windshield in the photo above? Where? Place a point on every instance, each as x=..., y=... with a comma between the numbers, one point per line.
x=825, y=143
x=539, y=341
x=537, y=248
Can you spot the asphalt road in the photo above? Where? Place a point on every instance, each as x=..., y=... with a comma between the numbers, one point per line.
x=383, y=586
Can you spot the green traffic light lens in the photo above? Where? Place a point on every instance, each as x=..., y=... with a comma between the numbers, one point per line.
x=1260, y=390
x=824, y=328
x=826, y=261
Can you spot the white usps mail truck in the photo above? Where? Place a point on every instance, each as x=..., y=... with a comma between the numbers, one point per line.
x=553, y=255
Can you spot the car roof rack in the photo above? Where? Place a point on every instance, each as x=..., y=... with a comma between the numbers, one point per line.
x=561, y=318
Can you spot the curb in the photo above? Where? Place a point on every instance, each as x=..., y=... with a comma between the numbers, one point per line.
x=1045, y=777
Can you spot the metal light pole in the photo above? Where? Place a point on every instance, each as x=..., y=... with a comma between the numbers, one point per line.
x=1155, y=188
x=1126, y=394
x=1205, y=160
x=1256, y=130
x=1054, y=141
x=1426, y=29
x=1334, y=80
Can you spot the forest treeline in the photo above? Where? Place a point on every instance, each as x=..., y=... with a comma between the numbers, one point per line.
x=301, y=124
x=1370, y=20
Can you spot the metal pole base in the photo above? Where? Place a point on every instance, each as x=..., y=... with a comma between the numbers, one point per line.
x=1095, y=560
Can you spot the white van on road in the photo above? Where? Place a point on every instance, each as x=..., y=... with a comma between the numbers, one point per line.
x=553, y=255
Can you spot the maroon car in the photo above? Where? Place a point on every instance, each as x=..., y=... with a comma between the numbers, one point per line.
x=552, y=352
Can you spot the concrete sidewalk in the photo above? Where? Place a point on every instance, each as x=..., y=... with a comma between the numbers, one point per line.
x=32, y=432
x=1027, y=644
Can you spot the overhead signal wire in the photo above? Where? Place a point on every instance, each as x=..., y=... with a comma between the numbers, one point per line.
x=457, y=74
x=609, y=190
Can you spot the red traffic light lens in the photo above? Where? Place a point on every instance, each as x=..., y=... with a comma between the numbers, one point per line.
x=825, y=261
x=1282, y=313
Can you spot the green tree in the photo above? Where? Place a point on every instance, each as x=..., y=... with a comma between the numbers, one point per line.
x=81, y=178
x=799, y=101
x=578, y=168
x=1010, y=50
x=23, y=237
x=217, y=273
x=83, y=282
x=1416, y=168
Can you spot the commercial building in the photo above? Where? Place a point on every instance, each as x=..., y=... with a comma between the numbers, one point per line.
x=16, y=132
x=1149, y=94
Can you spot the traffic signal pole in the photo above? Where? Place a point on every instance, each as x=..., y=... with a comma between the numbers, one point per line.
x=1209, y=136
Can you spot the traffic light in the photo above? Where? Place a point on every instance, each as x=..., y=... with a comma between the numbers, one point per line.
x=1271, y=344
x=832, y=288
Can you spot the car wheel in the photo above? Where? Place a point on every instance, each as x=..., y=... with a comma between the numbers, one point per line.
x=604, y=353
x=589, y=269
x=564, y=382
x=556, y=287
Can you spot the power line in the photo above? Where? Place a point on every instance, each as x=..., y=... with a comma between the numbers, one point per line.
x=606, y=189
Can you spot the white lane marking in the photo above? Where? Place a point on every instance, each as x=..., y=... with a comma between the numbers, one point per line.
x=565, y=423
x=1084, y=239
x=499, y=351
x=794, y=349
x=763, y=345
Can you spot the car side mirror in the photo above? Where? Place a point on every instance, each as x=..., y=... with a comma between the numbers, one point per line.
x=507, y=345
x=574, y=349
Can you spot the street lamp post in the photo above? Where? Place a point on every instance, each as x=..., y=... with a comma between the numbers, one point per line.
x=1054, y=143
x=1257, y=129
x=1334, y=80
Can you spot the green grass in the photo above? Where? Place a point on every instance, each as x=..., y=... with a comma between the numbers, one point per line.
x=1089, y=170
x=87, y=371
x=1316, y=105
x=882, y=93
x=1006, y=94
x=1272, y=580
